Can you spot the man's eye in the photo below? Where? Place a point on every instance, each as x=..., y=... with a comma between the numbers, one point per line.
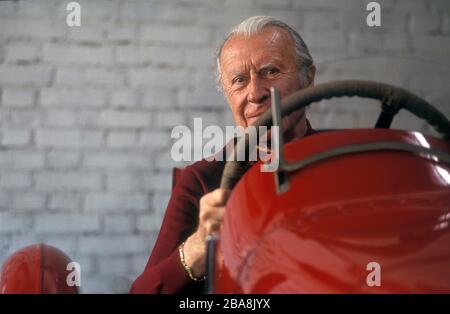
x=272, y=71
x=238, y=80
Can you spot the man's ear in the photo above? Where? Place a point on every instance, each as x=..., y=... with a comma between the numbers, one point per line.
x=311, y=75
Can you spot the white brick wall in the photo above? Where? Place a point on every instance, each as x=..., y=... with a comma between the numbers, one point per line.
x=86, y=112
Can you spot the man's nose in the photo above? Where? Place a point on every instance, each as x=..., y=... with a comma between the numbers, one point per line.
x=258, y=92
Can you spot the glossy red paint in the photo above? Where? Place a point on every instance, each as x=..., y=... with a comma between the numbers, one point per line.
x=388, y=207
x=36, y=269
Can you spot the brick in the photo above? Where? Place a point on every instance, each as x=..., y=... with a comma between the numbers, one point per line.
x=154, y=139
x=432, y=46
x=348, y=21
x=31, y=29
x=363, y=44
x=394, y=23
x=99, y=202
x=58, y=138
x=124, y=119
x=337, y=5
x=368, y=116
x=94, y=11
x=119, y=224
x=104, y=78
x=160, y=201
x=10, y=223
x=88, y=118
x=12, y=137
x=406, y=121
x=121, y=33
x=24, y=118
x=87, y=33
x=186, y=35
x=71, y=76
x=124, y=98
x=72, y=97
x=25, y=75
x=201, y=3
x=178, y=15
x=159, y=98
x=21, y=240
x=63, y=118
x=410, y=6
x=121, y=139
x=18, y=97
x=113, y=245
x=207, y=118
x=228, y=17
x=163, y=162
x=321, y=21
x=97, y=284
x=169, y=119
x=149, y=223
x=63, y=160
x=119, y=160
x=20, y=52
x=159, y=78
x=200, y=57
x=275, y=4
x=157, y=182
x=123, y=181
x=32, y=9
x=379, y=69
x=201, y=98
x=133, y=55
x=68, y=181
x=329, y=41
x=5, y=200
x=440, y=5
x=445, y=24
x=66, y=223
x=424, y=24
x=8, y=9
x=71, y=54
x=69, y=201
x=26, y=159
x=66, y=243
x=165, y=56
x=15, y=180
x=433, y=88
x=140, y=11
x=34, y=201
x=140, y=261
x=116, y=265
x=333, y=119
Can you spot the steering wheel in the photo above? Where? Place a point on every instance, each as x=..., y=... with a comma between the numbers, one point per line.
x=393, y=99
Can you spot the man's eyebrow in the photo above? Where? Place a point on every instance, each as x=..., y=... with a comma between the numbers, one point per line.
x=271, y=63
x=235, y=73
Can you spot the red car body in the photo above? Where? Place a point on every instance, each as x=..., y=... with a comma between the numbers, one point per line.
x=339, y=217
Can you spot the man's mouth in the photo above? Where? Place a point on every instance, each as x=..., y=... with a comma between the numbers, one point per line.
x=251, y=118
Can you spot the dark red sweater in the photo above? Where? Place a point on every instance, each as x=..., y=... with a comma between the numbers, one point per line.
x=164, y=272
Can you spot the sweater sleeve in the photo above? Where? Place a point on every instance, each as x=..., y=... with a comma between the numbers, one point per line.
x=164, y=272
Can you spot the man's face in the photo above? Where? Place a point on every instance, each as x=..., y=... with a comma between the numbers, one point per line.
x=250, y=66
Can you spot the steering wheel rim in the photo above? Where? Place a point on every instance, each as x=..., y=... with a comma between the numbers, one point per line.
x=385, y=93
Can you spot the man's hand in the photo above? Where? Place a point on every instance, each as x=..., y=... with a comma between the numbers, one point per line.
x=212, y=206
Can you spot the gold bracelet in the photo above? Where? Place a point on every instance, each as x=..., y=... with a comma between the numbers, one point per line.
x=186, y=267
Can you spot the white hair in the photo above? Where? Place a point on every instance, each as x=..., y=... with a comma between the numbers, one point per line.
x=254, y=25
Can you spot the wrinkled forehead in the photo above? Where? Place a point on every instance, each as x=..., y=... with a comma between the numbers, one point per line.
x=270, y=42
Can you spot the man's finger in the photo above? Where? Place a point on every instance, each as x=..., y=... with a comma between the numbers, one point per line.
x=220, y=197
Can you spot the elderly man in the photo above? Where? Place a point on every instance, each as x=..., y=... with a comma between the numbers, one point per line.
x=259, y=53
